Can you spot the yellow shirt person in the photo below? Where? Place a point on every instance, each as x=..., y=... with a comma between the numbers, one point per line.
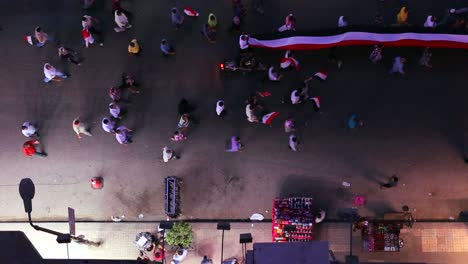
x=134, y=47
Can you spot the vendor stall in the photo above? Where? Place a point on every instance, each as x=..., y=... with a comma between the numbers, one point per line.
x=381, y=236
x=293, y=219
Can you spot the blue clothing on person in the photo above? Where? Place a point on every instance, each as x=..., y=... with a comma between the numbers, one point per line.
x=235, y=145
x=352, y=122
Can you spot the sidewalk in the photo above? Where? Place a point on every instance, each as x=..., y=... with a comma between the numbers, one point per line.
x=425, y=242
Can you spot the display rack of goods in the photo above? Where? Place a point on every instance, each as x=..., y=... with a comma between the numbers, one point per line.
x=293, y=219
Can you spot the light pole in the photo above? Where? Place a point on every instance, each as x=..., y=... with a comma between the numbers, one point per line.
x=223, y=226
x=27, y=191
x=165, y=225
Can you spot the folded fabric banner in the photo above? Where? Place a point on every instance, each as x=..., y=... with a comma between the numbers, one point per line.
x=190, y=12
x=360, y=36
x=268, y=118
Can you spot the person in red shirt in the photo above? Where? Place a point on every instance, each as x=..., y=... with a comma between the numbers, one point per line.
x=29, y=149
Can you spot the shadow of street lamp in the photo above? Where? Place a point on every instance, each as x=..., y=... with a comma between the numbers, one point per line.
x=27, y=191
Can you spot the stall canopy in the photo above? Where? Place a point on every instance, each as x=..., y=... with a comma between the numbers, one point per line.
x=362, y=36
x=315, y=252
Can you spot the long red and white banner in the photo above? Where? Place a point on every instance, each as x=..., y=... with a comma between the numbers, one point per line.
x=408, y=39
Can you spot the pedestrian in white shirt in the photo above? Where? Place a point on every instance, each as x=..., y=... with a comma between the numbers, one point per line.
x=250, y=113
x=51, y=74
x=273, y=75
x=114, y=110
x=430, y=22
x=244, y=42
x=108, y=125
x=168, y=154
x=122, y=21
x=296, y=96
x=123, y=135
x=80, y=128
x=293, y=142
x=342, y=22
x=179, y=256
x=398, y=65
x=29, y=130
x=220, y=111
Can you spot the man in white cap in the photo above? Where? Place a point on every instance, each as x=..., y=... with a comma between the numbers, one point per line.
x=51, y=74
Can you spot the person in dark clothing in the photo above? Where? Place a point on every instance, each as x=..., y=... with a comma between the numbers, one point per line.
x=184, y=107
x=392, y=182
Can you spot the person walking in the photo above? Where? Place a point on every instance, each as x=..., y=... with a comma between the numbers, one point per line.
x=398, y=65
x=236, y=145
x=212, y=21
x=87, y=37
x=179, y=256
x=392, y=182
x=289, y=125
x=123, y=135
x=293, y=143
x=115, y=111
x=178, y=136
x=52, y=74
x=29, y=130
x=402, y=16
x=29, y=149
x=92, y=24
x=250, y=113
x=342, y=21
x=168, y=154
x=176, y=18
x=206, y=260
x=289, y=24
x=273, y=75
x=108, y=125
x=41, y=37
x=69, y=54
x=220, y=108
x=115, y=93
x=166, y=48
x=80, y=128
x=425, y=59
x=134, y=47
x=184, y=122
x=122, y=21
x=376, y=54
x=431, y=22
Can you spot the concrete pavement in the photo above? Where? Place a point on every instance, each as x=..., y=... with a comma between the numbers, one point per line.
x=415, y=125
x=425, y=242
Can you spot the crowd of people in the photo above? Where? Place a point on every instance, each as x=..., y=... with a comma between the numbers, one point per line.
x=255, y=109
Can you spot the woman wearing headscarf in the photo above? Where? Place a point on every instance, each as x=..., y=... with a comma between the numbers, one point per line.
x=212, y=21
x=402, y=17
x=122, y=21
x=52, y=74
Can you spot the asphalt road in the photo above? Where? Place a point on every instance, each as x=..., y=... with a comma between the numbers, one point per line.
x=415, y=125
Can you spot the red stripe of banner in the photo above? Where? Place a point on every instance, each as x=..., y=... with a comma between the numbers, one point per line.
x=399, y=43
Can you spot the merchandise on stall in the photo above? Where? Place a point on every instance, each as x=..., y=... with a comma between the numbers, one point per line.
x=293, y=219
x=171, y=203
x=381, y=236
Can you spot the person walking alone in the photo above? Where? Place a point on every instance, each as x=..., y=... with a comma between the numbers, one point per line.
x=176, y=18
x=29, y=130
x=29, y=149
x=80, y=128
x=236, y=145
x=293, y=143
x=392, y=182
x=398, y=65
x=52, y=74
x=69, y=54
x=40, y=36
x=376, y=54
x=168, y=154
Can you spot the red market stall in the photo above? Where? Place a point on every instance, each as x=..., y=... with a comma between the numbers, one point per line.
x=293, y=219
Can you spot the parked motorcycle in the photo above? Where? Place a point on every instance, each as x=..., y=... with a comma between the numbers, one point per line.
x=245, y=64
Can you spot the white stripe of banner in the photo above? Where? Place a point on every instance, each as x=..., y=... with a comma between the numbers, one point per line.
x=360, y=36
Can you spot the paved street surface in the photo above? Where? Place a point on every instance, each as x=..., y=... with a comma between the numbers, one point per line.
x=414, y=124
x=426, y=242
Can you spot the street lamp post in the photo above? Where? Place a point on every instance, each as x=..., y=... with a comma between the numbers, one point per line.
x=223, y=226
x=27, y=191
x=165, y=225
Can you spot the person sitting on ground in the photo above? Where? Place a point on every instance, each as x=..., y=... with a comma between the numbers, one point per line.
x=134, y=47
x=166, y=48
x=273, y=75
